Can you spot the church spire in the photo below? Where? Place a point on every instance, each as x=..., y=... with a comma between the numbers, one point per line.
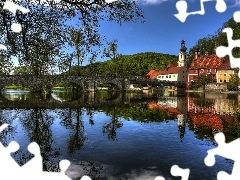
x=182, y=54
x=183, y=48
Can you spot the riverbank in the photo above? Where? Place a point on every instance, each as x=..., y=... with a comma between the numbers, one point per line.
x=220, y=91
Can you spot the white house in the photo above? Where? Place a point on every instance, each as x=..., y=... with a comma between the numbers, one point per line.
x=176, y=71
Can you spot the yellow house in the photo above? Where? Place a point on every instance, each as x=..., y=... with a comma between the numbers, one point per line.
x=223, y=72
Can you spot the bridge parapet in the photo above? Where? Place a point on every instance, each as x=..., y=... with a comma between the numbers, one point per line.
x=87, y=83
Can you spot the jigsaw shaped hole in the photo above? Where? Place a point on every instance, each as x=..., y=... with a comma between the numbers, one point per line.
x=159, y=178
x=86, y=178
x=221, y=51
x=236, y=52
x=209, y=160
x=221, y=6
x=236, y=16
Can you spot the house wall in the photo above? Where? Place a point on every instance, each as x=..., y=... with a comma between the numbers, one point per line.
x=224, y=75
x=183, y=75
x=163, y=77
x=193, y=73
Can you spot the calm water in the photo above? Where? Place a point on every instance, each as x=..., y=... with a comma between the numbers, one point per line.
x=122, y=136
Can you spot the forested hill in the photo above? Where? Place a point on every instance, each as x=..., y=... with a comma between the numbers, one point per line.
x=127, y=65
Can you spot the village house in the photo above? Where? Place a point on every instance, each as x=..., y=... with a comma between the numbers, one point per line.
x=174, y=72
x=218, y=68
x=224, y=72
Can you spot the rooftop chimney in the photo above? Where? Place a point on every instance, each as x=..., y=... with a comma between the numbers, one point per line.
x=197, y=52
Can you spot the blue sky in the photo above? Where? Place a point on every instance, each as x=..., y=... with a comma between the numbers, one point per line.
x=162, y=32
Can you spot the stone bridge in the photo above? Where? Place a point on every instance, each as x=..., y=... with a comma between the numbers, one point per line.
x=81, y=82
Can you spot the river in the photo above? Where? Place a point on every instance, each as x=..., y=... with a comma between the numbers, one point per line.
x=121, y=136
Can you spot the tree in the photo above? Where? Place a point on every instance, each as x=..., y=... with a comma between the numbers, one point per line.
x=42, y=37
x=47, y=21
x=112, y=53
x=76, y=40
x=233, y=82
x=202, y=80
x=6, y=65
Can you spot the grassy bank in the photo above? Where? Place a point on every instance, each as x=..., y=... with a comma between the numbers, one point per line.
x=18, y=87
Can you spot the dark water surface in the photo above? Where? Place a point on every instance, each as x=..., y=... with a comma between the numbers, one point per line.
x=135, y=136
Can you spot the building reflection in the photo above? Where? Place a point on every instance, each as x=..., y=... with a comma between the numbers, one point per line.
x=212, y=111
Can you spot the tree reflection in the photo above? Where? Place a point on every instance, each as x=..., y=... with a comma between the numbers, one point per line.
x=90, y=114
x=37, y=122
x=92, y=170
x=111, y=128
x=73, y=120
x=7, y=133
x=76, y=140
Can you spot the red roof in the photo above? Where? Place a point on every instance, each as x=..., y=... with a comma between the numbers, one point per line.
x=225, y=65
x=152, y=74
x=206, y=120
x=210, y=61
x=172, y=68
x=169, y=110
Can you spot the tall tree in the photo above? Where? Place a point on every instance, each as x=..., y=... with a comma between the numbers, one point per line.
x=76, y=40
x=48, y=20
x=113, y=54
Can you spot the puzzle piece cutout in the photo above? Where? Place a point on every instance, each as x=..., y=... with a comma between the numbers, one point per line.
x=222, y=51
x=177, y=171
x=33, y=168
x=227, y=150
x=182, y=6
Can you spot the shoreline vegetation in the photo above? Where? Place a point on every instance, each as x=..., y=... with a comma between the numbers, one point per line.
x=108, y=89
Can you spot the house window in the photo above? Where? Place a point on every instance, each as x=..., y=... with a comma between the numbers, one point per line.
x=202, y=70
x=220, y=74
x=183, y=71
x=225, y=81
x=220, y=80
x=195, y=71
x=169, y=76
x=166, y=76
x=173, y=75
x=209, y=70
x=225, y=74
x=183, y=76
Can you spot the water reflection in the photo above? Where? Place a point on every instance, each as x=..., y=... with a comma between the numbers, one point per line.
x=62, y=95
x=138, y=132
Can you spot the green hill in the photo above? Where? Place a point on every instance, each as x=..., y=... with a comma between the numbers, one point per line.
x=127, y=65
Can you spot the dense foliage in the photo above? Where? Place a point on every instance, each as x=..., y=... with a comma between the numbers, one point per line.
x=201, y=81
x=233, y=82
x=46, y=31
x=208, y=44
x=127, y=65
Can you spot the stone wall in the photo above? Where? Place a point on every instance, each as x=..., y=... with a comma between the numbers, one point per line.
x=216, y=87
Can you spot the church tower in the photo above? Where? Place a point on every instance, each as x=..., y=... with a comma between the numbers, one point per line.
x=182, y=55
